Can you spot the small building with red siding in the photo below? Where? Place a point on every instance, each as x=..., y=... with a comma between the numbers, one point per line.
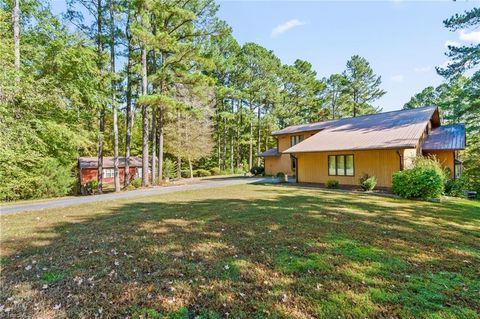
x=88, y=169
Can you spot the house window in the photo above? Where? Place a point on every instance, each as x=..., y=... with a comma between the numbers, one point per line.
x=138, y=173
x=107, y=173
x=295, y=139
x=341, y=165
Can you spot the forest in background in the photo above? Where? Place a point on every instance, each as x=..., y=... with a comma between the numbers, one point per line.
x=166, y=80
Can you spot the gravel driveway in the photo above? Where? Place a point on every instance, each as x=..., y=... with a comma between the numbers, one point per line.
x=71, y=201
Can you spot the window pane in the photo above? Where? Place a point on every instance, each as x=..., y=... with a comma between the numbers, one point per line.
x=349, y=165
x=331, y=165
x=340, y=165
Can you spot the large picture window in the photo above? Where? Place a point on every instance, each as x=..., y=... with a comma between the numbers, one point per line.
x=341, y=165
x=295, y=139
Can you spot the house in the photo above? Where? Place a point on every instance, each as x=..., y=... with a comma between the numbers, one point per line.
x=88, y=169
x=378, y=145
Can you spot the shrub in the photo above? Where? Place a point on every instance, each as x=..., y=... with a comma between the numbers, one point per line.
x=90, y=187
x=168, y=168
x=281, y=175
x=367, y=182
x=185, y=173
x=425, y=180
x=332, y=184
x=136, y=182
x=215, y=171
x=53, y=180
x=455, y=187
x=257, y=170
x=201, y=173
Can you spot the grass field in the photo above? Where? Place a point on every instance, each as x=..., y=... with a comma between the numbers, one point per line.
x=250, y=251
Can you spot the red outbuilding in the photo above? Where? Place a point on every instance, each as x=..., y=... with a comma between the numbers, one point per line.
x=88, y=168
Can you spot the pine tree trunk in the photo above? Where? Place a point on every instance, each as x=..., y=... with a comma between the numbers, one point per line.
x=116, y=173
x=16, y=34
x=190, y=167
x=160, y=145
x=154, y=147
x=224, y=153
x=258, y=134
x=101, y=117
x=250, y=155
x=179, y=167
x=129, y=120
x=145, y=181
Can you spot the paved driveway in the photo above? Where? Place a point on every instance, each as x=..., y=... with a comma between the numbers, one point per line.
x=71, y=201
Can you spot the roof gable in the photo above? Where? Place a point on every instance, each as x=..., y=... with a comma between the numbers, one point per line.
x=447, y=137
x=397, y=129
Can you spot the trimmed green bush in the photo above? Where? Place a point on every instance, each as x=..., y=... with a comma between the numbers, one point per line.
x=368, y=183
x=91, y=187
x=201, y=173
x=281, y=175
x=136, y=182
x=257, y=170
x=215, y=171
x=425, y=180
x=332, y=184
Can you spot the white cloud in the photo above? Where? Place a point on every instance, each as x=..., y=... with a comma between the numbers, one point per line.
x=473, y=36
x=452, y=43
x=397, y=78
x=422, y=69
x=284, y=27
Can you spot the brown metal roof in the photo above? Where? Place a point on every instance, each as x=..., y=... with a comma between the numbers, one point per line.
x=270, y=153
x=92, y=162
x=397, y=129
x=447, y=137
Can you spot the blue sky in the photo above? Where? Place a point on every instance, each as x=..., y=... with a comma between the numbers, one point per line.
x=402, y=40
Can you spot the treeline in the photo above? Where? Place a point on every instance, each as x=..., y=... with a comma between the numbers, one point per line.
x=161, y=79
x=458, y=98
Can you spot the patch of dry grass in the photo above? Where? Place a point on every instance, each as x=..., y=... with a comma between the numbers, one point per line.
x=250, y=251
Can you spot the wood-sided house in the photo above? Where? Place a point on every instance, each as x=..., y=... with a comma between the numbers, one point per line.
x=378, y=145
x=88, y=169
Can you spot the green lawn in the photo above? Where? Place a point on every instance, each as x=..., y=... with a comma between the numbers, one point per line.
x=250, y=251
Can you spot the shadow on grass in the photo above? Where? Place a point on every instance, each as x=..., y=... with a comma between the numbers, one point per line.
x=303, y=254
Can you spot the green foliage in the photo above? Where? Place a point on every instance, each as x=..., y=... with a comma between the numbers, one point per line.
x=201, y=173
x=280, y=175
x=136, y=182
x=257, y=170
x=91, y=187
x=425, y=180
x=464, y=57
x=332, y=184
x=367, y=182
x=185, y=173
x=169, y=169
x=215, y=171
x=363, y=87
